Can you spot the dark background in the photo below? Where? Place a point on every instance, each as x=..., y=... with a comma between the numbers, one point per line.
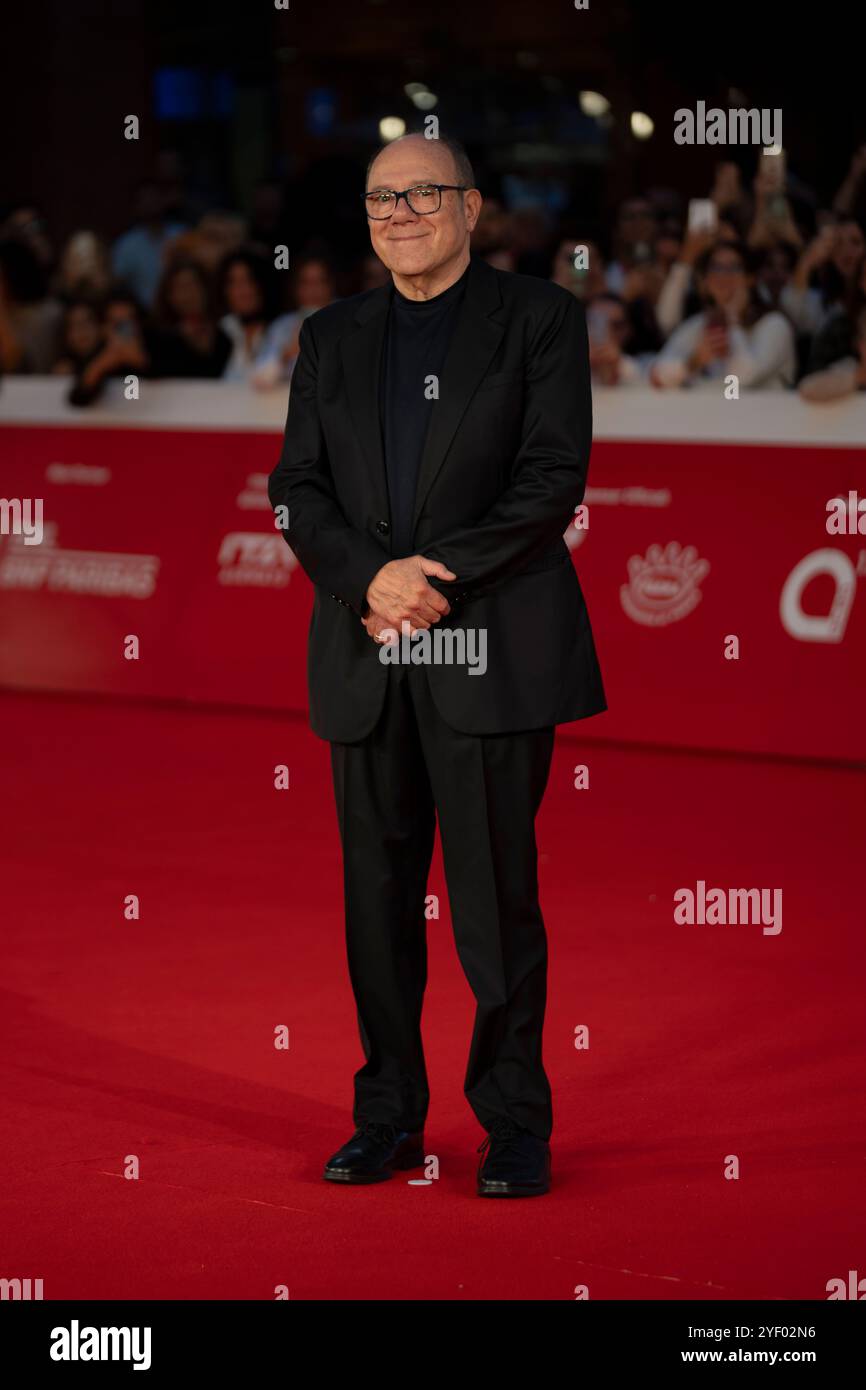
x=239, y=92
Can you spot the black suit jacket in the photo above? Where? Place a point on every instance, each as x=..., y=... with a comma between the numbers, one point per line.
x=503, y=468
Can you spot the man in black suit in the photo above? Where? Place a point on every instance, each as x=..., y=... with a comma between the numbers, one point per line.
x=436, y=448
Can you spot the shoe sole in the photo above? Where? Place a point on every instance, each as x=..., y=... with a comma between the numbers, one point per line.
x=401, y=1165
x=511, y=1190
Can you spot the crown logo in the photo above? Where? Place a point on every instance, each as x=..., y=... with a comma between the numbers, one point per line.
x=663, y=586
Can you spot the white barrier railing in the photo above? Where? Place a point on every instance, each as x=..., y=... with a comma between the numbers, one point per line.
x=763, y=417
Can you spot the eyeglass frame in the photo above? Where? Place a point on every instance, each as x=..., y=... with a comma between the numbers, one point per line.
x=404, y=193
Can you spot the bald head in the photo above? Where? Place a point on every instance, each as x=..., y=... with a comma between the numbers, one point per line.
x=452, y=162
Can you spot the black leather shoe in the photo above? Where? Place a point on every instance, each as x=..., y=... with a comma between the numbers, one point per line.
x=373, y=1154
x=516, y=1163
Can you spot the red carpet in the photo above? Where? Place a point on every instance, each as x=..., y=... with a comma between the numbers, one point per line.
x=155, y=1038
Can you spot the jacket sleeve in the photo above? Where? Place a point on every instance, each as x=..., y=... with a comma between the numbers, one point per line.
x=548, y=479
x=335, y=555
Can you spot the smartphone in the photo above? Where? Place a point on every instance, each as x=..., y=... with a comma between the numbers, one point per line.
x=775, y=169
x=703, y=215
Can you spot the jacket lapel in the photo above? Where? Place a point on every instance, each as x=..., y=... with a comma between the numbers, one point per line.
x=476, y=337
x=361, y=352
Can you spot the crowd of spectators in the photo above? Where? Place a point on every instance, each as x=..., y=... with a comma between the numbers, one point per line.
x=752, y=281
x=165, y=300
x=748, y=284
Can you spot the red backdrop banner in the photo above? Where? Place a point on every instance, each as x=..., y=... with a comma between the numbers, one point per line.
x=726, y=615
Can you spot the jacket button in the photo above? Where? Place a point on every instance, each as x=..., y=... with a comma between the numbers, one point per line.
x=383, y=527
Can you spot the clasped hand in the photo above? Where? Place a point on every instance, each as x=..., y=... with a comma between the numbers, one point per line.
x=399, y=594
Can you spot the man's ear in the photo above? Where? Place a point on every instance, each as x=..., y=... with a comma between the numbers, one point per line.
x=472, y=201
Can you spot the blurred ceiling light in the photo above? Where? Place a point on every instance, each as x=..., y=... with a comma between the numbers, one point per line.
x=642, y=125
x=420, y=96
x=594, y=104
x=392, y=127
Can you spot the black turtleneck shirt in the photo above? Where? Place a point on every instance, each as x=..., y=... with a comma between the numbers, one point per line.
x=417, y=339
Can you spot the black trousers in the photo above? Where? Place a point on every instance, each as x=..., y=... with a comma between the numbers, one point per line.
x=486, y=791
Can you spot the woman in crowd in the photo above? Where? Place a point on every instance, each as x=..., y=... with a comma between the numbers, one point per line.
x=832, y=259
x=313, y=287
x=249, y=292
x=188, y=341
x=844, y=375
x=82, y=336
x=612, y=357
x=837, y=340
x=678, y=296
x=127, y=348
x=734, y=335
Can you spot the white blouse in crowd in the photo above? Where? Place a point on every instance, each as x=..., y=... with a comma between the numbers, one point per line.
x=249, y=355
x=672, y=299
x=761, y=356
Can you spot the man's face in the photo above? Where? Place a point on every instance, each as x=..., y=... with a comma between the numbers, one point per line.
x=412, y=243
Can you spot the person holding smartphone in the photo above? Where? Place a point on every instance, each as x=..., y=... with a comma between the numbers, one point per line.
x=126, y=348
x=610, y=333
x=825, y=274
x=735, y=334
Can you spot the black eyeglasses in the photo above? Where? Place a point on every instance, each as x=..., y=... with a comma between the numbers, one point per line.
x=425, y=198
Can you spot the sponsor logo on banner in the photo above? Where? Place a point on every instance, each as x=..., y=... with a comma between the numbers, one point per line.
x=818, y=627
x=576, y=531
x=253, y=496
x=78, y=474
x=52, y=569
x=628, y=497
x=256, y=560
x=663, y=586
